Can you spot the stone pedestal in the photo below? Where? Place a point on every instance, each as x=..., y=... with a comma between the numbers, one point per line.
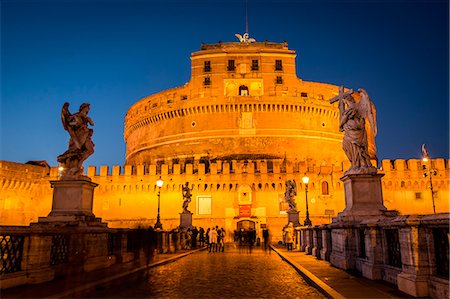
x=185, y=220
x=72, y=203
x=363, y=203
x=293, y=217
x=363, y=197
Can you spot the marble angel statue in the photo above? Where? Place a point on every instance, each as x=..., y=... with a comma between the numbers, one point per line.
x=80, y=143
x=358, y=122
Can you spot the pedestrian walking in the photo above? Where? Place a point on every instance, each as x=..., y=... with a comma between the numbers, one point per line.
x=265, y=234
x=212, y=240
x=201, y=237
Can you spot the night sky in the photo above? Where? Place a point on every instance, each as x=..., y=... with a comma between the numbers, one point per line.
x=112, y=53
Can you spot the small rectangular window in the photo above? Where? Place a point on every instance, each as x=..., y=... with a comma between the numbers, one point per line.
x=204, y=205
x=207, y=81
x=279, y=80
x=418, y=195
x=183, y=97
x=169, y=101
x=304, y=95
x=278, y=65
x=154, y=105
x=231, y=66
x=255, y=65
x=207, y=66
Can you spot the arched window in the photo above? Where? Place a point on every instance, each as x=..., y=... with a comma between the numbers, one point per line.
x=243, y=90
x=325, y=188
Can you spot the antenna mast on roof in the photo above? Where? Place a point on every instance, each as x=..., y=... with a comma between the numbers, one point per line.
x=245, y=38
x=246, y=16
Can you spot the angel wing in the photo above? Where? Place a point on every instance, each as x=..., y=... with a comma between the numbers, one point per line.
x=424, y=151
x=367, y=110
x=64, y=115
x=239, y=37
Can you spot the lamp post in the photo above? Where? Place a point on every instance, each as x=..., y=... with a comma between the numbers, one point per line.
x=305, y=180
x=428, y=172
x=159, y=184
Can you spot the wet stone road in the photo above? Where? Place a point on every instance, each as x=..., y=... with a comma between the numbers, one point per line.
x=232, y=274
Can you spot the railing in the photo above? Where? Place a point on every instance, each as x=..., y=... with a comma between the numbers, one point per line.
x=11, y=253
x=33, y=255
x=441, y=244
x=411, y=251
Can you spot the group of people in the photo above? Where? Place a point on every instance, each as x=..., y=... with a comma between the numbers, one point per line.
x=215, y=239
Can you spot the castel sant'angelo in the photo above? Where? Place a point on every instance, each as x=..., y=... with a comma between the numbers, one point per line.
x=236, y=132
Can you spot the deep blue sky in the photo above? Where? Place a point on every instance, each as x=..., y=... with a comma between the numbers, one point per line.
x=112, y=53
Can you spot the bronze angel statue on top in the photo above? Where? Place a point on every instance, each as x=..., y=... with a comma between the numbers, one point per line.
x=80, y=143
x=358, y=122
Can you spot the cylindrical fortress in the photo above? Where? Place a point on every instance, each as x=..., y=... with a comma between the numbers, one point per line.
x=244, y=101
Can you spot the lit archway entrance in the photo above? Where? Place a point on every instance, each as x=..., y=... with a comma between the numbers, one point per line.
x=243, y=90
x=246, y=225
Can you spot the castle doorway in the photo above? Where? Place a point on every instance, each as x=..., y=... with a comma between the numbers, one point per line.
x=246, y=225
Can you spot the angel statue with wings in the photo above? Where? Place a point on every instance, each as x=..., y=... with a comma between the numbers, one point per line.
x=186, y=197
x=291, y=191
x=358, y=122
x=80, y=143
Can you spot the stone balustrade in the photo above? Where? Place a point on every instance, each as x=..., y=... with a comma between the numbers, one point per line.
x=34, y=255
x=410, y=251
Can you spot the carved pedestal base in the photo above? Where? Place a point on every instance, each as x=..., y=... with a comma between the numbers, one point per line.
x=293, y=217
x=72, y=203
x=363, y=196
x=185, y=220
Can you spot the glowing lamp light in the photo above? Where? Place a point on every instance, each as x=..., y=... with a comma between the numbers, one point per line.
x=159, y=182
x=425, y=159
x=60, y=168
x=305, y=179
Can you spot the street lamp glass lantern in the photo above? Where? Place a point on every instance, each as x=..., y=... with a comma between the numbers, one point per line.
x=159, y=182
x=305, y=179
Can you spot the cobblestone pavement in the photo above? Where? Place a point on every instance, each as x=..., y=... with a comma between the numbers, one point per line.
x=231, y=274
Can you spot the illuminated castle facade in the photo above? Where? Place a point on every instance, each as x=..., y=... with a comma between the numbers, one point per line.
x=237, y=131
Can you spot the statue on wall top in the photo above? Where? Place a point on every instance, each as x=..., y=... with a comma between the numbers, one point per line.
x=245, y=38
x=186, y=197
x=291, y=191
x=358, y=122
x=80, y=143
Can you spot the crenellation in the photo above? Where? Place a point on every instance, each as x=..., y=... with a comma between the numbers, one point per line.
x=140, y=169
x=152, y=169
x=189, y=168
x=116, y=170
x=128, y=170
x=176, y=169
x=91, y=171
x=225, y=168
x=386, y=165
x=399, y=165
x=164, y=169
x=104, y=170
x=201, y=169
x=213, y=168
x=439, y=164
x=413, y=164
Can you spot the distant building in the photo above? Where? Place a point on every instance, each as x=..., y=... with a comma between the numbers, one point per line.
x=242, y=126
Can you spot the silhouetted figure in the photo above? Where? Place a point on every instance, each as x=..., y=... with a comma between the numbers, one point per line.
x=201, y=237
x=194, y=237
x=265, y=234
